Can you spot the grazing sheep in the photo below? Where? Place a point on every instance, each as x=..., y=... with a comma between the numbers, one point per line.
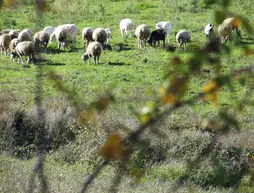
x=14, y=42
x=100, y=35
x=225, y=31
x=108, y=35
x=156, y=36
x=61, y=37
x=182, y=37
x=25, y=48
x=209, y=30
x=14, y=33
x=94, y=50
x=41, y=38
x=50, y=30
x=126, y=26
x=70, y=29
x=24, y=36
x=5, y=40
x=28, y=31
x=166, y=26
x=5, y=31
x=235, y=25
x=142, y=32
x=87, y=34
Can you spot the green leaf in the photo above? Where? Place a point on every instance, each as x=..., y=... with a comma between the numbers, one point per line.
x=1, y=3
x=225, y=3
x=247, y=26
x=219, y=16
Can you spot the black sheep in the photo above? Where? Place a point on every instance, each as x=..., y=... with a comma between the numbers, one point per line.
x=156, y=36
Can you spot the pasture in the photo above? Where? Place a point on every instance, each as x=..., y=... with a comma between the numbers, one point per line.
x=134, y=77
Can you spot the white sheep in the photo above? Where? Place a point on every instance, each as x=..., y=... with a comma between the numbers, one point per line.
x=225, y=31
x=108, y=36
x=49, y=29
x=41, y=38
x=209, y=30
x=5, y=40
x=235, y=25
x=24, y=36
x=70, y=29
x=126, y=26
x=6, y=31
x=100, y=35
x=94, y=50
x=183, y=37
x=14, y=42
x=61, y=36
x=14, y=33
x=166, y=26
x=25, y=48
x=87, y=34
x=28, y=31
x=142, y=32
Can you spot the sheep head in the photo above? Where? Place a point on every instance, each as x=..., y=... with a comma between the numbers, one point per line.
x=85, y=57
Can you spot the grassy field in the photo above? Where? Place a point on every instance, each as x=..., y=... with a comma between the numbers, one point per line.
x=133, y=77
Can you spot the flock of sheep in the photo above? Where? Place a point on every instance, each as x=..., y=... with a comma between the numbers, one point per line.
x=19, y=43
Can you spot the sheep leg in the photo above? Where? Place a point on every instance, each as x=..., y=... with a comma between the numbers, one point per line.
x=59, y=45
x=123, y=32
x=22, y=61
x=138, y=43
x=74, y=41
x=98, y=58
x=28, y=59
x=45, y=46
x=163, y=43
x=168, y=38
x=94, y=59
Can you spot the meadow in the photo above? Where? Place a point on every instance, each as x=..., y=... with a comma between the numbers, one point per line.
x=162, y=160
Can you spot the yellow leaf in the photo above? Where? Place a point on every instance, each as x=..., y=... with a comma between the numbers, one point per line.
x=236, y=22
x=176, y=61
x=137, y=174
x=85, y=115
x=211, y=86
x=213, y=98
x=248, y=51
x=113, y=148
x=144, y=118
x=170, y=98
x=42, y=5
x=147, y=112
x=10, y=3
x=211, y=91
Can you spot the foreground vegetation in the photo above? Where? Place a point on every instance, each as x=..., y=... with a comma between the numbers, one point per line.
x=176, y=156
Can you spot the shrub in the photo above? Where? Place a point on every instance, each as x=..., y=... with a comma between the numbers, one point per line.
x=225, y=169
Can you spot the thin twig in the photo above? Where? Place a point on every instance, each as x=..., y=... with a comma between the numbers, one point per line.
x=93, y=175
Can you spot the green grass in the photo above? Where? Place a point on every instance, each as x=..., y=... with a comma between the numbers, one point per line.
x=134, y=77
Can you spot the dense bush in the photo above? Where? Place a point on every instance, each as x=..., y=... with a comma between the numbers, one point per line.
x=225, y=169
x=20, y=130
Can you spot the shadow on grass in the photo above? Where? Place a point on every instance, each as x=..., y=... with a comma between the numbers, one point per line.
x=42, y=61
x=121, y=47
x=118, y=63
x=247, y=40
